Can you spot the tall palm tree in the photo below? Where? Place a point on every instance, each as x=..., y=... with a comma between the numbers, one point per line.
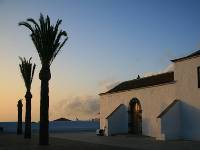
x=19, y=123
x=27, y=70
x=48, y=41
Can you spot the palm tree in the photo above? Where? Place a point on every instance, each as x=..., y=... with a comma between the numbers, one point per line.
x=19, y=123
x=47, y=40
x=27, y=70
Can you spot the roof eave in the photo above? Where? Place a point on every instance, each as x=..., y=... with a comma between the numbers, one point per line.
x=184, y=58
x=108, y=93
x=100, y=94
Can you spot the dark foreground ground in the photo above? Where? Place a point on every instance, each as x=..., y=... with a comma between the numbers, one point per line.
x=88, y=142
x=130, y=141
x=14, y=142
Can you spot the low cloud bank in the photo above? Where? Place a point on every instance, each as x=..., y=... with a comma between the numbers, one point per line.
x=85, y=107
x=82, y=107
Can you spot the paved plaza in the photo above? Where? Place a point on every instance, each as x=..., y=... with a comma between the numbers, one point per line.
x=130, y=141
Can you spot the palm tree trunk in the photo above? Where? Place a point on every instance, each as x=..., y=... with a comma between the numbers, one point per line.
x=19, y=124
x=44, y=76
x=27, y=134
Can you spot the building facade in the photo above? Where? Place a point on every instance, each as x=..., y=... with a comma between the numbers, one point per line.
x=164, y=106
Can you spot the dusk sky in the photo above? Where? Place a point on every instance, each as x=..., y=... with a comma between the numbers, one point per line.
x=110, y=41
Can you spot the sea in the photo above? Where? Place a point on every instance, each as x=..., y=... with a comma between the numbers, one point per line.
x=55, y=126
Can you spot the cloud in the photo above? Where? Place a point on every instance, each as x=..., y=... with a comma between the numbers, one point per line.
x=167, y=69
x=84, y=107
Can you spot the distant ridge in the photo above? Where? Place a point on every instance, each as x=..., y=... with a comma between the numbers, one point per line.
x=62, y=119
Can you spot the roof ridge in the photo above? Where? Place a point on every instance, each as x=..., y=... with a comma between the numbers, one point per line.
x=155, y=75
x=187, y=56
x=157, y=79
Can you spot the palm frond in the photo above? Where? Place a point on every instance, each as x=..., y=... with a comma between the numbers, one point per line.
x=34, y=22
x=27, y=70
x=47, y=38
x=26, y=25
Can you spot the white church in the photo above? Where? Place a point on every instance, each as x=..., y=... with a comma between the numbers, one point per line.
x=165, y=106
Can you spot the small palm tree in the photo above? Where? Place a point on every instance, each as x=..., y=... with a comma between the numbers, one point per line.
x=47, y=40
x=27, y=70
x=19, y=123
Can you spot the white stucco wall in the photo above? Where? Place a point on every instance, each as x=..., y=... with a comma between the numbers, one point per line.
x=188, y=92
x=153, y=100
x=117, y=122
x=171, y=123
x=156, y=98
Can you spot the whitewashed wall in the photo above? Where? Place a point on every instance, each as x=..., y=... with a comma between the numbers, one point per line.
x=117, y=122
x=55, y=126
x=153, y=101
x=156, y=98
x=188, y=92
x=171, y=123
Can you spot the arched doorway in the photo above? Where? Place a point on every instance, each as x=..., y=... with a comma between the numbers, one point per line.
x=135, y=117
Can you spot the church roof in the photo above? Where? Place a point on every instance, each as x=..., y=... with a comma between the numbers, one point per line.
x=195, y=54
x=143, y=82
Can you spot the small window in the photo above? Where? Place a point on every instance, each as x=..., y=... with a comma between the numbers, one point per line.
x=198, y=76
